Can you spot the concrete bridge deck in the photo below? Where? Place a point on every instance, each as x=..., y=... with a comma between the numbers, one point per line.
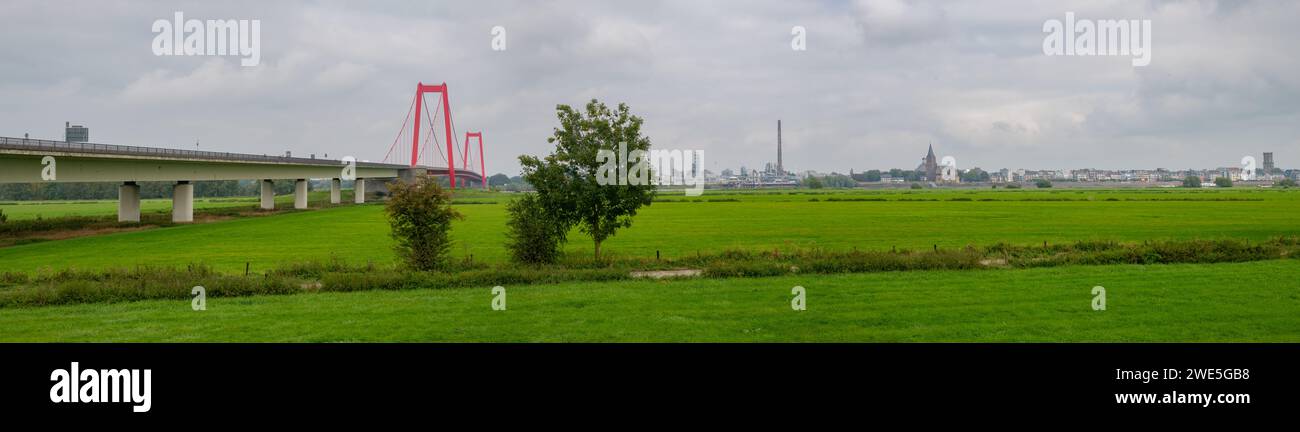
x=37, y=161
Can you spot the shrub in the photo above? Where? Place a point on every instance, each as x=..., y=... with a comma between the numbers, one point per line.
x=1192, y=182
x=420, y=213
x=1223, y=182
x=1280, y=183
x=1013, y=185
x=533, y=236
x=916, y=186
x=1043, y=183
x=3, y=218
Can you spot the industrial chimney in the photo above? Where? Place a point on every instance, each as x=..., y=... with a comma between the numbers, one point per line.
x=780, y=169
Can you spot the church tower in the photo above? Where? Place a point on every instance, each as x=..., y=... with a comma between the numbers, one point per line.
x=931, y=166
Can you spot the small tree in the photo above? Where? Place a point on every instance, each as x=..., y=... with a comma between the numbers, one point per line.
x=812, y=183
x=498, y=180
x=420, y=213
x=3, y=218
x=1043, y=183
x=566, y=181
x=1280, y=183
x=533, y=235
x=1223, y=182
x=1192, y=182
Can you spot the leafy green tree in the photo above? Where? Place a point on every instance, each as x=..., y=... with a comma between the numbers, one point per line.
x=420, y=214
x=975, y=175
x=812, y=182
x=1285, y=183
x=498, y=180
x=533, y=235
x=566, y=180
x=1043, y=183
x=1223, y=182
x=1192, y=182
x=839, y=181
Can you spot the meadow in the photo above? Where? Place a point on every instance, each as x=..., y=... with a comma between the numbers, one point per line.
x=1236, y=302
x=1248, y=301
x=678, y=226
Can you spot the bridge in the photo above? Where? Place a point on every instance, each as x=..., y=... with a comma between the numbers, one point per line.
x=24, y=160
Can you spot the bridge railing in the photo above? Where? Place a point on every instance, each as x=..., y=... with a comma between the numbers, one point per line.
x=28, y=144
x=77, y=147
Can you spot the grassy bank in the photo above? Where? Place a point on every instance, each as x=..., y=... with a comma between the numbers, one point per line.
x=143, y=283
x=762, y=220
x=1239, y=302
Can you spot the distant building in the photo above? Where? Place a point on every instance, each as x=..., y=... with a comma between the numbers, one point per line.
x=1268, y=163
x=929, y=167
x=75, y=133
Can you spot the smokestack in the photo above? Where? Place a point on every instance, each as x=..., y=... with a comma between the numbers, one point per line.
x=780, y=169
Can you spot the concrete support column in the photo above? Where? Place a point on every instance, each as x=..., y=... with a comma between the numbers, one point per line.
x=128, y=202
x=336, y=191
x=300, y=194
x=268, y=195
x=360, y=191
x=183, y=202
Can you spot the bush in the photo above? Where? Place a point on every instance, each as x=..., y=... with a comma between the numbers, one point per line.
x=1013, y=185
x=1223, y=182
x=1043, y=183
x=1192, y=182
x=1280, y=183
x=420, y=213
x=533, y=236
x=916, y=186
x=3, y=217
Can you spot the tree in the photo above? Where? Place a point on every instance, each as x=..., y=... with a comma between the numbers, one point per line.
x=566, y=180
x=839, y=181
x=1043, y=183
x=1192, y=182
x=1285, y=183
x=975, y=175
x=498, y=180
x=533, y=235
x=812, y=182
x=1223, y=182
x=420, y=213
x=3, y=217
x=916, y=186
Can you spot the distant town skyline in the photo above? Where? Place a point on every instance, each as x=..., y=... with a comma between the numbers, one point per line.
x=874, y=82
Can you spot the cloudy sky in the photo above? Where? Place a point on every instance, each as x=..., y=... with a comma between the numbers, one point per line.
x=878, y=81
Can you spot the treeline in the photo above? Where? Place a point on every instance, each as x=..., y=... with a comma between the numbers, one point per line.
x=105, y=191
x=973, y=175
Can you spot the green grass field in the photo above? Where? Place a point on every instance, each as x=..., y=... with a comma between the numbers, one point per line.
x=1220, y=302
x=1182, y=303
x=53, y=209
x=756, y=221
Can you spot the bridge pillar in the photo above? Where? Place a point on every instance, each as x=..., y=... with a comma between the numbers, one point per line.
x=336, y=191
x=128, y=202
x=268, y=194
x=183, y=202
x=360, y=191
x=300, y=194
